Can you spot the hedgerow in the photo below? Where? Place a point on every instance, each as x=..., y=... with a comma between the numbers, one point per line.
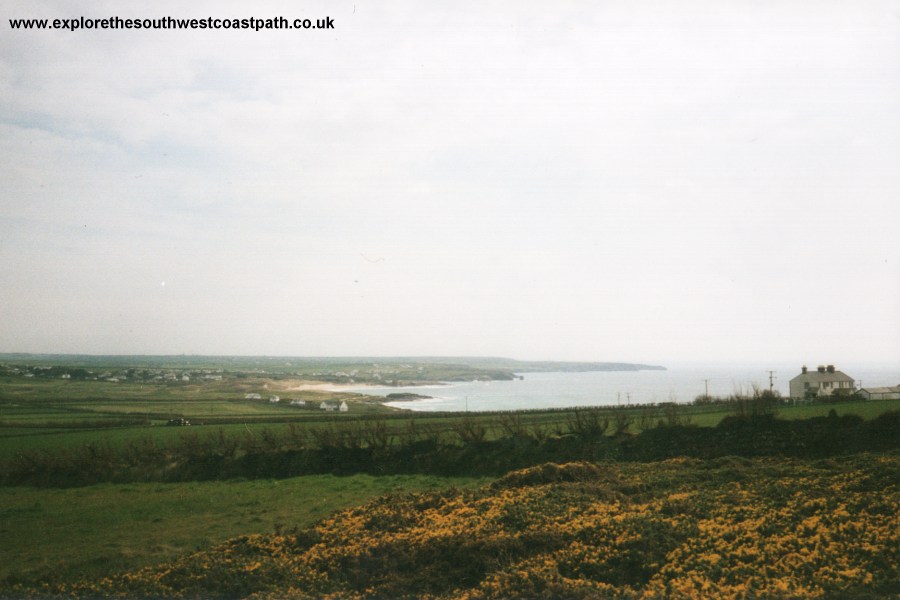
x=462, y=448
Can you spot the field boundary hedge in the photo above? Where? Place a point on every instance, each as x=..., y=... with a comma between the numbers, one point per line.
x=463, y=448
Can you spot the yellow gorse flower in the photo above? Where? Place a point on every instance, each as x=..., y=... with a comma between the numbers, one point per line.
x=674, y=529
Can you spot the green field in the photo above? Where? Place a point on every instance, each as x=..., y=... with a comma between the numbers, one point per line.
x=62, y=534
x=46, y=414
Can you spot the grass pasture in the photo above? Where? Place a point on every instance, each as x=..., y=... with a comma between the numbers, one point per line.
x=57, y=535
x=50, y=414
x=140, y=398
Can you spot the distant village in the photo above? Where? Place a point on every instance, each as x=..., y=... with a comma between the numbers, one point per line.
x=390, y=375
x=325, y=405
x=112, y=375
x=825, y=382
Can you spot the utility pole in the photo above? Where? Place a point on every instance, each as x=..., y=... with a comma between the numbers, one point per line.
x=771, y=380
x=706, y=388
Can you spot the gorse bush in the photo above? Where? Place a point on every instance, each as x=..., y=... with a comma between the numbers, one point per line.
x=683, y=528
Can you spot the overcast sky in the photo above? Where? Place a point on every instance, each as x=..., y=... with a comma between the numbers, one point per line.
x=639, y=181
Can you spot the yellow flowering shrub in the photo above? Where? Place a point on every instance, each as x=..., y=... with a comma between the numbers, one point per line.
x=724, y=528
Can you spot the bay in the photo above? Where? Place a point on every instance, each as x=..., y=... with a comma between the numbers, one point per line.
x=680, y=383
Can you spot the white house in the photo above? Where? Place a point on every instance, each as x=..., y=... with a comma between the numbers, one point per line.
x=824, y=381
x=881, y=393
x=274, y=399
x=344, y=407
x=298, y=402
x=252, y=396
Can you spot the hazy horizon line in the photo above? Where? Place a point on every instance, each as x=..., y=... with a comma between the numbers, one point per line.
x=665, y=362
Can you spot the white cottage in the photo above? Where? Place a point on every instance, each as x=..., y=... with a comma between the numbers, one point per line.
x=824, y=381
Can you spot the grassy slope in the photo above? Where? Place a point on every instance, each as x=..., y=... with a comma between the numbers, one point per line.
x=93, y=531
x=723, y=528
x=34, y=410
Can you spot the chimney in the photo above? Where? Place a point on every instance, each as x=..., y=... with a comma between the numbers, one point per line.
x=820, y=368
x=804, y=369
x=831, y=368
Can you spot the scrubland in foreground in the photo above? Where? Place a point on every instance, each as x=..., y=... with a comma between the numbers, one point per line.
x=683, y=528
x=63, y=535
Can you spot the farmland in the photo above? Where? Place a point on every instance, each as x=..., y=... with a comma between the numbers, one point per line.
x=100, y=494
x=65, y=534
x=47, y=413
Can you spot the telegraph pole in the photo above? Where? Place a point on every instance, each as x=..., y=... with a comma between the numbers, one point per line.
x=706, y=388
x=771, y=380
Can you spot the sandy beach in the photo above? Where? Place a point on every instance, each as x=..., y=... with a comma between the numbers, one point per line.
x=318, y=386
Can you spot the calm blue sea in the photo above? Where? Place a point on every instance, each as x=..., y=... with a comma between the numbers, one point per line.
x=680, y=383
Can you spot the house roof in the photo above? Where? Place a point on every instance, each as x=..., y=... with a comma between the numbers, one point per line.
x=882, y=390
x=820, y=377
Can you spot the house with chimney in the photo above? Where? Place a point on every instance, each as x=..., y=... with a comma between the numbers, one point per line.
x=824, y=381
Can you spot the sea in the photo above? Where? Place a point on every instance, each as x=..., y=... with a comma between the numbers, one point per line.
x=678, y=383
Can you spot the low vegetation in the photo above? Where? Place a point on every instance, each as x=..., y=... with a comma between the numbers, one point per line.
x=683, y=528
x=739, y=497
x=61, y=535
